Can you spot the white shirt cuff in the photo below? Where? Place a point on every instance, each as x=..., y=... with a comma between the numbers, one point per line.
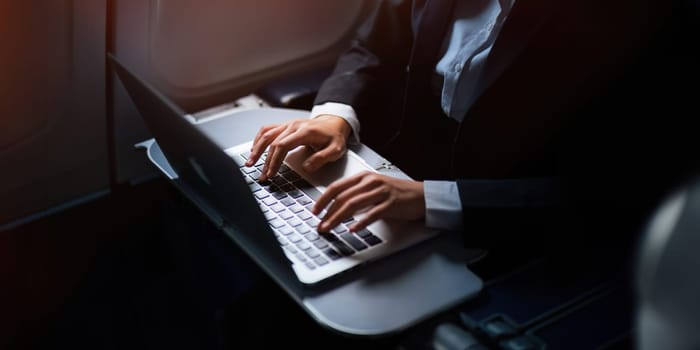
x=443, y=207
x=341, y=110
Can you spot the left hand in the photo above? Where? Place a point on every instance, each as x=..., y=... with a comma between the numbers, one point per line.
x=385, y=196
x=326, y=135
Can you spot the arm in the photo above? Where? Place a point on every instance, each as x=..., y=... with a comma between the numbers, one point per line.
x=511, y=211
x=447, y=202
x=443, y=204
x=376, y=57
x=540, y=192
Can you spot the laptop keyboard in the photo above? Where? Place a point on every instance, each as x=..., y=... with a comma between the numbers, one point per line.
x=286, y=201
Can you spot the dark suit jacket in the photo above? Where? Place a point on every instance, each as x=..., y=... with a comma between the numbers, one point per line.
x=561, y=91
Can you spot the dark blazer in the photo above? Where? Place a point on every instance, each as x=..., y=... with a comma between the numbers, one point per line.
x=550, y=127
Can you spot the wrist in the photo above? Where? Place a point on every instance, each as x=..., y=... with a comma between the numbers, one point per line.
x=339, y=124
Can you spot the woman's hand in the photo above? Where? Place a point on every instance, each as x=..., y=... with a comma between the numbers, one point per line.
x=326, y=135
x=383, y=197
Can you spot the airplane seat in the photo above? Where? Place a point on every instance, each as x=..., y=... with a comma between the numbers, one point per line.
x=294, y=91
x=668, y=284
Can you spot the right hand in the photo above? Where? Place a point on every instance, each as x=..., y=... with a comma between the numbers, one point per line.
x=326, y=135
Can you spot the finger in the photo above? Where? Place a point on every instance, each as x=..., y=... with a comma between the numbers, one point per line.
x=272, y=149
x=372, y=215
x=334, y=189
x=262, y=141
x=350, y=207
x=253, y=157
x=368, y=182
x=363, y=186
x=279, y=149
x=332, y=152
x=263, y=129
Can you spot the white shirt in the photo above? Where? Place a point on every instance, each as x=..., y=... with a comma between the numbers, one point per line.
x=474, y=29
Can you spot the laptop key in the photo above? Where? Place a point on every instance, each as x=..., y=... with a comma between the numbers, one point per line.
x=304, y=215
x=373, y=240
x=269, y=201
x=279, y=195
x=320, y=244
x=340, y=229
x=287, y=201
x=364, y=233
x=328, y=236
x=342, y=248
x=284, y=168
x=296, y=208
x=303, y=229
x=248, y=170
x=261, y=195
x=313, y=222
x=286, y=230
x=277, y=208
x=301, y=183
x=279, y=181
x=320, y=215
x=276, y=223
x=320, y=261
x=354, y=242
x=304, y=200
x=312, y=192
x=290, y=176
x=286, y=215
x=312, y=253
x=254, y=187
x=311, y=236
x=310, y=265
x=332, y=254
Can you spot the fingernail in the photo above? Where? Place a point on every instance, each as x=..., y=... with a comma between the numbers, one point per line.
x=322, y=227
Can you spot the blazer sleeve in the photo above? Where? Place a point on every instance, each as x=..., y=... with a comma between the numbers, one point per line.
x=376, y=58
x=540, y=192
x=511, y=211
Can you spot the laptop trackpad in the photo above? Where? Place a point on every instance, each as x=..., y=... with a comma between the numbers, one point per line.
x=348, y=165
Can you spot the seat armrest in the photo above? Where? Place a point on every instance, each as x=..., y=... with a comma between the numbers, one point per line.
x=294, y=91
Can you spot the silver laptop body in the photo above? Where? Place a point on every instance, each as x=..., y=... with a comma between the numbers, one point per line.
x=274, y=215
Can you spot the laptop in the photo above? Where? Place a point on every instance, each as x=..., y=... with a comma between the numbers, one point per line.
x=273, y=217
